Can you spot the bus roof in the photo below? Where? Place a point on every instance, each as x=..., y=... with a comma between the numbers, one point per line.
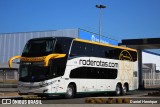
x=102, y=44
x=87, y=41
x=50, y=37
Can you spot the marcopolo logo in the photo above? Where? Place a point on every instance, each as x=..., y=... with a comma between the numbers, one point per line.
x=98, y=63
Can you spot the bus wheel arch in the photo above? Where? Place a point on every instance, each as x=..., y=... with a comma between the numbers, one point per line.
x=71, y=90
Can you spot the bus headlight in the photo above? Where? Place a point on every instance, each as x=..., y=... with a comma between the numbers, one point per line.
x=43, y=84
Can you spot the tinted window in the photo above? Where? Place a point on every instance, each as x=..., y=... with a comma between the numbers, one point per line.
x=93, y=73
x=96, y=51
x=88, y=49
x=134, y=55
x=78, y=49
x=38, y=47
x=62, y=46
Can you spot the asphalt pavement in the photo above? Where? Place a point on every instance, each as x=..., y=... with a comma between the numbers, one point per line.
x=80, y=99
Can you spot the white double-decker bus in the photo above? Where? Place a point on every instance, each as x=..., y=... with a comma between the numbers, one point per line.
x=70, y=66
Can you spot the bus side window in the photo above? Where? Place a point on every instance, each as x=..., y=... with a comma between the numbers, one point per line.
x=112, y=53
x=58, y=48
x=89, y=49
x=62, y=46
x=103, y=48
x=117, y=53
x=95, y=51
x=135, y=74
x=78, y=49
x=134, y=55
x=83, y=49
x=106, y=53
x=75, y=49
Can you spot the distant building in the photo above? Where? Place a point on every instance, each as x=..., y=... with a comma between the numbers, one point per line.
x=151, y=58
x=151, y=68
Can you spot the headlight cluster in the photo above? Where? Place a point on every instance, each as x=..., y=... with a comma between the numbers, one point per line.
x=43, y=84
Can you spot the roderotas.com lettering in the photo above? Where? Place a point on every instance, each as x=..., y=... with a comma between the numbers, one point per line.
x=98, y=63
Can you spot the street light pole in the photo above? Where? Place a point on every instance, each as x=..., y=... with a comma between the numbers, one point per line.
x=100, y=19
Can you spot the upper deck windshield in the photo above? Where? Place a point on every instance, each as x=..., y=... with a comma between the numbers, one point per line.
x=39, y=47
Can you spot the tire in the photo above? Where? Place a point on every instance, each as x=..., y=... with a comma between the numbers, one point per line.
x=118, y=90
x=70, y=93
x=124, y=90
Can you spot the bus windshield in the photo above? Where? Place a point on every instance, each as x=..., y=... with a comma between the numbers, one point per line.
x=33, y=72
x=39, y=47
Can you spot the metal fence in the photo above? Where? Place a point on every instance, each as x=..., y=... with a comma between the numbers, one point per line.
x=9, y=76
x=151, y=79
x=8, y=79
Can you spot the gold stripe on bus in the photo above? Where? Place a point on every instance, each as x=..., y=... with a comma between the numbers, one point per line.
x=33, y=59
x=44, y=59
x=11, y=59
x=52, y=56
x=102, y=44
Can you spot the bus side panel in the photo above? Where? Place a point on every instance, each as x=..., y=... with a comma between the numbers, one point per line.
x=135, y=75
x=127, y=73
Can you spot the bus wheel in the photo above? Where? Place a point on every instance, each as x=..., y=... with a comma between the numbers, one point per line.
x=124, y=91
x=118, y=90
x=70, y=91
